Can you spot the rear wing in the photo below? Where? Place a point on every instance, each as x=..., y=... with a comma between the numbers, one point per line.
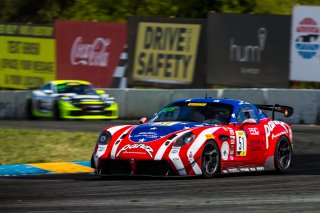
x=286, y=110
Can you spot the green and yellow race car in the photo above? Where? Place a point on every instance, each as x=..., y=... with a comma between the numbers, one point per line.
x=70, y=99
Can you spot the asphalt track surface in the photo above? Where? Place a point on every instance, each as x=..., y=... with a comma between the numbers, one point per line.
x=297, y=191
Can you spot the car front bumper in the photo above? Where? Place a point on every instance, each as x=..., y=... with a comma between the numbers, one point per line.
x=69, y=111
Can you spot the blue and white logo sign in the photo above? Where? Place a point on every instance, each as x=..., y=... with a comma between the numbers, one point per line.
x=307, y=42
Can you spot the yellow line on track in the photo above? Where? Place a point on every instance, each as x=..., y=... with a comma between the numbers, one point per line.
x=62, y=167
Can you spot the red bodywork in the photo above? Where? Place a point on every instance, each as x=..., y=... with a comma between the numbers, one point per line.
x=243, y=148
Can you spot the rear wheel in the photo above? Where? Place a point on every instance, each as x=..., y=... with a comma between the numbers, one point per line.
x=283, y=155
x=210, y=164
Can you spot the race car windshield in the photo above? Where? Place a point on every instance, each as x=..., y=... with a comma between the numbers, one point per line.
x=215, y=113
x=80, y=89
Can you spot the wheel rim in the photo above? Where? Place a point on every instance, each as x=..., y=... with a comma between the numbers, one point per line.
x=284, y=154
x=210, y=159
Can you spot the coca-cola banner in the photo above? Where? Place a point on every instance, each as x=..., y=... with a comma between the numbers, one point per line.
x=89, y=50
x=166, y=52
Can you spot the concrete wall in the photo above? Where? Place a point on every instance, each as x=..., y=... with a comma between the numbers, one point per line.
x=136, y=103
x=12, y=104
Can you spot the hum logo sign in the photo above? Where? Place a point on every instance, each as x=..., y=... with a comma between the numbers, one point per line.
x=249, y=53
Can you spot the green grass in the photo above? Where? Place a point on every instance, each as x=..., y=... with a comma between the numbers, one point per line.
x=22, y=146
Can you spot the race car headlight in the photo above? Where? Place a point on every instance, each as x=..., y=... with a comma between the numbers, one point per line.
x=66, y=98
x=107, y=99
x=184, y=139
x=104, y=138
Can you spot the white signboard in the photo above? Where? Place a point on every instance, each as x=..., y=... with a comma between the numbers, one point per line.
x=305, y=44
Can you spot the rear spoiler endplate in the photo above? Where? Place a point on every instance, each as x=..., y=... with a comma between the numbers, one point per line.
x=286, y=110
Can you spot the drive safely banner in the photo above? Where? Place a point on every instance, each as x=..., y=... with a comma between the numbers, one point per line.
x=27, y=55
x=165, y=51
x=89, y=50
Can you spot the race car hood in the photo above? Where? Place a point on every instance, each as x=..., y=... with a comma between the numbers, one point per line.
x=153, y=131
x=79, y=97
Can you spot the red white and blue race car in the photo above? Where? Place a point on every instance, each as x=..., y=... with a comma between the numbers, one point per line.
x=198, y=137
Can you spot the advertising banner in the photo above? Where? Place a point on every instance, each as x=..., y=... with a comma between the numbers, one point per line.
x=305, y=44
x=165, y=52
x=248, y=50
x=89, y=50
x=27, y=55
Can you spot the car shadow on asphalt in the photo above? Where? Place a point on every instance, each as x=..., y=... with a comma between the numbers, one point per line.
x=303, y=164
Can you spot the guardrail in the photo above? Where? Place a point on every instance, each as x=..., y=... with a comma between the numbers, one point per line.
x=136, y=103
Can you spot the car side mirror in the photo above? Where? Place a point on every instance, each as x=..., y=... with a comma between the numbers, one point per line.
x=143, y=120
x=100, y=91
x=249, y=121
x=48, y=91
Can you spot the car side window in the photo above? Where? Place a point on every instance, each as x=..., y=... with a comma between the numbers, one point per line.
x=247, y=112
x=46, y=87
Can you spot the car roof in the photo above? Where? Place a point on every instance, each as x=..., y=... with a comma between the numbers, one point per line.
x=215, y=100
x=237, y=104
x=70, y=81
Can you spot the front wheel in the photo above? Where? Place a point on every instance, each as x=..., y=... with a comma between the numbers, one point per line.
x=283, y=155
x=210, y=164
x=56, y=111
x=29, y=109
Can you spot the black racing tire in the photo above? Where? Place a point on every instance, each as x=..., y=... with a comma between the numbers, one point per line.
x=56, y=111
x=283, y=155
x=211, y=158
x=29, y=114
x=92, y=164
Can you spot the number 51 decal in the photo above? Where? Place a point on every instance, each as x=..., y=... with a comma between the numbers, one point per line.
x=241, y=143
